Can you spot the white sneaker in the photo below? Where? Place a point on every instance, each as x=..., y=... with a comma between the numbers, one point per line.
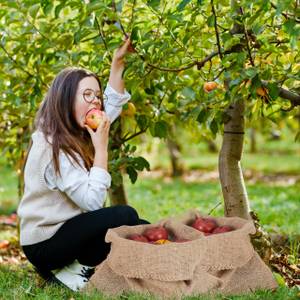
x=75, y=276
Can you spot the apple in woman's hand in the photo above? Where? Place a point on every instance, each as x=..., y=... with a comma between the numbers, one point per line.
x=93, y=118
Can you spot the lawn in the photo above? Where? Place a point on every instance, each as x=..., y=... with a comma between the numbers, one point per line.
x=275, y=199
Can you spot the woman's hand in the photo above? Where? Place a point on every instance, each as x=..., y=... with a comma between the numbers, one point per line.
x=100, y=137
x=117, y=66
x=121, y=52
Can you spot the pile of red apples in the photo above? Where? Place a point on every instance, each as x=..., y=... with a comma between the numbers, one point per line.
x=159, y=235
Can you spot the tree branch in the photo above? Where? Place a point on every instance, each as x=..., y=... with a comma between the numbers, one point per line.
x=286, y=94
x=15, y=62
x=133, y=135
x=216, y=28
x=247, y=41
x=287, y=16
x=102, y=36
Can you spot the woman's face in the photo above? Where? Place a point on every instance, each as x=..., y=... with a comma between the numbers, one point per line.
x=87, y=97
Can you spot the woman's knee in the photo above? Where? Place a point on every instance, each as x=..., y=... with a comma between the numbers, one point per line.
x=127, y=214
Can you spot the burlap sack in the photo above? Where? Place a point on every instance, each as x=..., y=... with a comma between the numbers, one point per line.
x=223, y=263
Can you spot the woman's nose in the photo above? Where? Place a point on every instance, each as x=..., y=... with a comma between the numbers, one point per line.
x=96, y=101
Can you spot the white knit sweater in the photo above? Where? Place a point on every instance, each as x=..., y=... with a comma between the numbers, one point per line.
x=42, y=211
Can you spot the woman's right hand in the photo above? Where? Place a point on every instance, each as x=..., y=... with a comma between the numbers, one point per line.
x=100, y=137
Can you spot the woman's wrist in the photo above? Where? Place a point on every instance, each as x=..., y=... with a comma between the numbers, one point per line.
x=117, y=64
x=101, y=159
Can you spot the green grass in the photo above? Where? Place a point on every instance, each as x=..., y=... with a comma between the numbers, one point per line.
x=157, y=198
x=272, y=157
x=276, y=206
x=8, y=188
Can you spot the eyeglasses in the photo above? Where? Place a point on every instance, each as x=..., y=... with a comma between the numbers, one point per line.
x=89, y=95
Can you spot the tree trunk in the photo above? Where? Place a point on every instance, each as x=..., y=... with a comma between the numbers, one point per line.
x=117, y=194
x=174, y=150
x=231, y=176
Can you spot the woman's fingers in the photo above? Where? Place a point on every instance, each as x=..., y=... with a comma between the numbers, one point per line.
x=89, y=129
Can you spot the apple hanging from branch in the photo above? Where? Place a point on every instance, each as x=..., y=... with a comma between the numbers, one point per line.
x=210, y=86
x=129, y=110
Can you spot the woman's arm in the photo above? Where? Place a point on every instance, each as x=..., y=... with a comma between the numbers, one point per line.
x=117, y=67
x=88, y=190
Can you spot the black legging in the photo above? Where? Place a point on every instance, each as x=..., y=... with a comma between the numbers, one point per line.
x=81, y=238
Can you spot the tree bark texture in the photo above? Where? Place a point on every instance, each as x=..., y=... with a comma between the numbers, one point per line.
x=230, y=171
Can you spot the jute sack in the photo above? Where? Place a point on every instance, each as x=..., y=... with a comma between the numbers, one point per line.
x=224, y=263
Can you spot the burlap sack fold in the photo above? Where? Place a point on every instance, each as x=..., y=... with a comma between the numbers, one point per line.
x=222, y=263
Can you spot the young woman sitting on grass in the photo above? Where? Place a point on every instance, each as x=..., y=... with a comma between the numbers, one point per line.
x=62, y=219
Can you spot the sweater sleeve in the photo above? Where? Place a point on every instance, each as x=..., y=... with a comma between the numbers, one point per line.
x=114, y=101
x=88, y=190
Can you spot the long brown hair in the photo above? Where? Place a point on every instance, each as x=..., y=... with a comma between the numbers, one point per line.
x=56, y=118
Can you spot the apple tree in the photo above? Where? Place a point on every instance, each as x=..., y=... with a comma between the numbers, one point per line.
x=248, y=50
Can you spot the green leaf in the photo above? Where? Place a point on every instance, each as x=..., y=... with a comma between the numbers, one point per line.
x=134, y=36
x=250, y=72
x=273, y=90
x=183, y=4
x=290, y=26
x=142, y=121
x=203, y=115
x=213, y=126
x=140, y=163
x=161, y=129
x=154, y=3
x=95, y=6
x=47, y=7
x=132, y=174
x=211, y=21
x=57, y=10
x=189, y=93
x=33, y=10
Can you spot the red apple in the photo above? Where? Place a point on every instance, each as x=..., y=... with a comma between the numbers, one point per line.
x=204, y=224
x=93, y=118
x=4, y=244
x=156, y=233
x=222, y=229
x=209, y=86
x=138, y=238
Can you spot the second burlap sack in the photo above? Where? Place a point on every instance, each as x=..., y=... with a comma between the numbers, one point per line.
x=222, y=263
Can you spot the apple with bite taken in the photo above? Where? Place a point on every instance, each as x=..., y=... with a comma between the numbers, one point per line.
x=93, y=118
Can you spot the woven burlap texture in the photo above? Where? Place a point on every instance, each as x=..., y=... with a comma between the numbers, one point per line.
x=222, y=263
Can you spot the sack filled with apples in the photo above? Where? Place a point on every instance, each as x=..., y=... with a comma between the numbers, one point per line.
x=173, y=258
